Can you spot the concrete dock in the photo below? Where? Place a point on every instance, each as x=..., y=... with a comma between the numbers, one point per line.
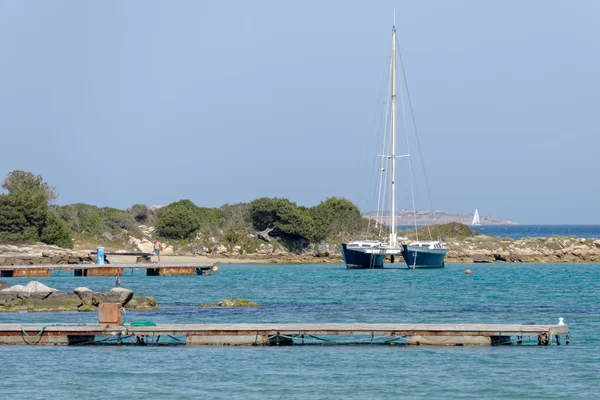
x=283, y=334
x=152, y=269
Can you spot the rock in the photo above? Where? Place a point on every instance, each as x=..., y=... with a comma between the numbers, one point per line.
x=237, y=303
x=7, y=298
x=146, y=303
x=597, y=243
x=3, y=285
x=114, y=295
x=144, y=245
x=221, y=249
x=33, y=287
x=14, y=304
x=56, y=301
x=208, y=305
x=85, y=294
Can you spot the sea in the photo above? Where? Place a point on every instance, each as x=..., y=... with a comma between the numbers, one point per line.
x=494, y=293
x=521, y=231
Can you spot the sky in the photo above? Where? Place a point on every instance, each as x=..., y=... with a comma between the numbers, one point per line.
x=116, y=103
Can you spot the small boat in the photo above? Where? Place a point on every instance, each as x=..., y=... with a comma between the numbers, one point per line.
x=476, y=220
x=371, y=254
x=424, y=254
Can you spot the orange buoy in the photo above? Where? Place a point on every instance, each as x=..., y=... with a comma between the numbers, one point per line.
x=215, y=268
x=68, y=269
x=468, y=272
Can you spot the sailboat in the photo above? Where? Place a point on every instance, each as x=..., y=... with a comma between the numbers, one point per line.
x=371, y=254
x=476, y=220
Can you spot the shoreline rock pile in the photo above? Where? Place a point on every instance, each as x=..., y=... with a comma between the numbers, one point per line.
x=37, y=297
x=42, y=254
x=485, y=249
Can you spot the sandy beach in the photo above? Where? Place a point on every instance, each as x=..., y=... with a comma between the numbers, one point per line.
x=224, y=260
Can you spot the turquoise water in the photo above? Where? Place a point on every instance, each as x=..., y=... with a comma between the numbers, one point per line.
x=508, y=293
x=521, y=231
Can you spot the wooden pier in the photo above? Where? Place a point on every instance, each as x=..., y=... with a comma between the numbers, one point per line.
x=152, y=269
x=282, y=334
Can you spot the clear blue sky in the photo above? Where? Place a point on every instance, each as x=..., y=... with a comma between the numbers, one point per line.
x=123, y=102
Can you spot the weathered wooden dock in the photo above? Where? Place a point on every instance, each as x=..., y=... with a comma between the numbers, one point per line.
x=283, y=334
x=152, y=269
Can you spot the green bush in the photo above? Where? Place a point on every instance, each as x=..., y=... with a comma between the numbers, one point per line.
x=24, y=211
x=287, y=219
x=88, y=219
x=142, y=214
x=179, y=220
x=56, y=232
x=337, y=217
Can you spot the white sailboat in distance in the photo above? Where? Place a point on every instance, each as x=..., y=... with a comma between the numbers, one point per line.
x=476, y=220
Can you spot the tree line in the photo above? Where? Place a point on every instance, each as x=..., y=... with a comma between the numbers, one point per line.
x=27, y=215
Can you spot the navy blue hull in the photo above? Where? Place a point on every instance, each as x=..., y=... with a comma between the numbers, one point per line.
x=423, y=257
x=361, y=260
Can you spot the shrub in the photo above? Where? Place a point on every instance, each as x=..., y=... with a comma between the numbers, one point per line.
x=56, y=232
x=142, y=214
x=24, y=210
x=179, y=220
x=288, y=220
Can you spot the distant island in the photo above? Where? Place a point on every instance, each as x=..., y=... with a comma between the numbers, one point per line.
x=405, y=217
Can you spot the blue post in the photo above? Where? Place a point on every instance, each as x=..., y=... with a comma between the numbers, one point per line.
x=100, y=256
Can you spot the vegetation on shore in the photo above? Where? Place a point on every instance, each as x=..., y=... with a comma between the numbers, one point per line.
x=28, y=215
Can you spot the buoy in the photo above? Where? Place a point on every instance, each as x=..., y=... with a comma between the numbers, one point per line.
x=215, y=268
x=468, y=272
x=561, y=321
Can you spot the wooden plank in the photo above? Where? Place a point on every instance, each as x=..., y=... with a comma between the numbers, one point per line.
x=105, y=271
x=177, y=271
x=30, y=272
x=323, y=328
x=94, y=266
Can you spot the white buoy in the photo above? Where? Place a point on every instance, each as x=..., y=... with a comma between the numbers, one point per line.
x=561, y=321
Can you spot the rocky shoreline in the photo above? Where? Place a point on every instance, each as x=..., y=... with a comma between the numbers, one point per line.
x=37, y=297
x=477, y=248
x=484, y=248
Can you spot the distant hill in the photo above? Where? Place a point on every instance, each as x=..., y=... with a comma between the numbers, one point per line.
x=405, y=217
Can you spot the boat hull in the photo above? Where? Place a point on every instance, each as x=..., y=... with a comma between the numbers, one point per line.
x=360, y=260
x=423, y=257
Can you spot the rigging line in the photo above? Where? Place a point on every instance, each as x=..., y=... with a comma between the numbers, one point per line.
x=373, y=130
x=410, y=169
x=383, y=162
x=412, y=114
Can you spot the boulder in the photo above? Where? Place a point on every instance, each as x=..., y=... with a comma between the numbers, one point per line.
x=13, y=304
x=145, y=303
x=144, y=245
x=114, y=295
x=85, y=294
x=33, y=287
x=208, y=305
x=237, y=303
x=7, y=298
x=56, y=301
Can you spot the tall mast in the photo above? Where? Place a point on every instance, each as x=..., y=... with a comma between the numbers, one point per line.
x=393, y=239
